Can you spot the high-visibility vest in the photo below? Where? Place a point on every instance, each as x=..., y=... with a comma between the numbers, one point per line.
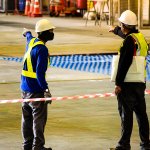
x=141, y=42
x=142, y=46
x=27, y=58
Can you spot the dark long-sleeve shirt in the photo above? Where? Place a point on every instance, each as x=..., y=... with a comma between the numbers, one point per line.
x=126, y=55
x=39, y=58
x=118, y=31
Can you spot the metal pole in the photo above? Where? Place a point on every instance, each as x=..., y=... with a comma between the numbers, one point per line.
x=41, y=6
x=111, y=19
x=140, y=14
x=48, y=7
x=149, y=13
x=129, y=5
x=119, y=8
x=16, y=9
x=6, y=7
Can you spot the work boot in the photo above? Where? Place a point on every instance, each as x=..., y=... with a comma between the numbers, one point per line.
x=119, y=147
x=46, y=148
x=145, y=148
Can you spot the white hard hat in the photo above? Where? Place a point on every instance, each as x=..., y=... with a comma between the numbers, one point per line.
x=43, y=25
x=128, y=17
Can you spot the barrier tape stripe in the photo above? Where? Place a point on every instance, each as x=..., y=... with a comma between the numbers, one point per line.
x=89, y=63
x=62, y=98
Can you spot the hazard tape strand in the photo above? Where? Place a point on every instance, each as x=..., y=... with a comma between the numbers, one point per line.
x=58, y=98
x=63, y=98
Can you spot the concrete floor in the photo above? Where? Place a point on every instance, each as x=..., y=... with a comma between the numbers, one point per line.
x=91, y=124
x=71, y=36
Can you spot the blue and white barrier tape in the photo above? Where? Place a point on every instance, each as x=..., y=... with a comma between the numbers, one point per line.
x=16, y=59
x=90, y=63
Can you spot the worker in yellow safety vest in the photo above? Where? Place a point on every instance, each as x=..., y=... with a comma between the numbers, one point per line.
x=34, y=85
x=130, y=95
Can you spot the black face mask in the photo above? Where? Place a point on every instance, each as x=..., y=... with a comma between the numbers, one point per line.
x=46, y=36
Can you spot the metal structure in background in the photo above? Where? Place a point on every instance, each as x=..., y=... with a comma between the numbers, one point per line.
x=41, y=4
x=63, y=7
x=91, y=3
x=16, y=12
x=98, y=7
x=144, y=14
x=115, y=8
x=140, y=7
x=8, y=6
x=111, y=14
x=2, y=6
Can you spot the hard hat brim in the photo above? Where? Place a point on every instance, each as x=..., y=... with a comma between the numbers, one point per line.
x=53, y=27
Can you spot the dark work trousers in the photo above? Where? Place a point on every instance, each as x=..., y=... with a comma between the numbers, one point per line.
x=34, y=117
x=132, y=99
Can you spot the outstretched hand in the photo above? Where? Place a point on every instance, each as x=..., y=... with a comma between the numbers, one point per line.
x=25, y=30
x=111, y=28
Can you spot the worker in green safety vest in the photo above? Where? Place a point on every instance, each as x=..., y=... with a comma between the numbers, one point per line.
x=34, y=85
x=130, y=95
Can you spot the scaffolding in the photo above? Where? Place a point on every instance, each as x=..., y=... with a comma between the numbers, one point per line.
x=98, y=7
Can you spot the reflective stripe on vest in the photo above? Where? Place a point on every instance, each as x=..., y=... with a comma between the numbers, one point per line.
x=141, y=42
x=29, y=72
